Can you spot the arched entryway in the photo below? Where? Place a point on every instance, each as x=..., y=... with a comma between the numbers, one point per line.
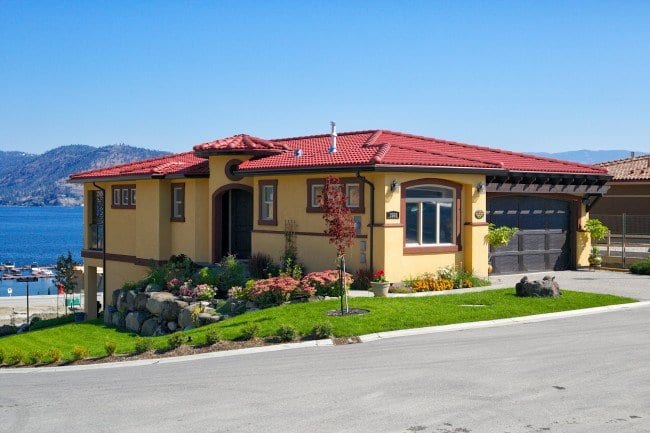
x=232, y=221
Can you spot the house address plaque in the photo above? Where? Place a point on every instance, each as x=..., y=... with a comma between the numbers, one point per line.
x=392, y=215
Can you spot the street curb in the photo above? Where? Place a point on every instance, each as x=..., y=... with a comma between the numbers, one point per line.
x=502, y=322
x=327, y=342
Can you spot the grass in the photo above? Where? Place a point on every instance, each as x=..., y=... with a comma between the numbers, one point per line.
x=386, y=314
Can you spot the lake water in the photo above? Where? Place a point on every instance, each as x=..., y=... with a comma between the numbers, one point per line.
x=38, y=235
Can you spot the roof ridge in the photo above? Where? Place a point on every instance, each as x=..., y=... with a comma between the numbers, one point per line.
x=302, y=137
x=620, y=160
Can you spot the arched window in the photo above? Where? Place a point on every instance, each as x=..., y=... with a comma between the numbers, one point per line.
x=429, y=215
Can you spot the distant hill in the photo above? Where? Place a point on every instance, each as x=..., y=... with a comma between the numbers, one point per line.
x=41, y=180
x=590, y=156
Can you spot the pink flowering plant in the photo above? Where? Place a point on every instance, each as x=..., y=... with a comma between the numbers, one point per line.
x=174, y=285
x=188, y=289
x=379, y=276
x=325, y=283
x=205, y=292
x=277, y=290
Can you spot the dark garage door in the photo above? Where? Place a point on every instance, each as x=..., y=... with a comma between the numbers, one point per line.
x=543, y=240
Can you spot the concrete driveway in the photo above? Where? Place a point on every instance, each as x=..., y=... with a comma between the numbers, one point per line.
x=608, y=282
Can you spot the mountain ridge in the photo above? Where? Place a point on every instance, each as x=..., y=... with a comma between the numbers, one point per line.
x=42, y=180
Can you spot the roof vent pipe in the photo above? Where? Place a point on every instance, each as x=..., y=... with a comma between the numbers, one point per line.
x=332, y=148
x=631, y=155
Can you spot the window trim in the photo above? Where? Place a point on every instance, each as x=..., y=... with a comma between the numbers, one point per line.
x=261, y=184
x=345, y=181
x=173, y=217
x=456, y=209
x=118, y=191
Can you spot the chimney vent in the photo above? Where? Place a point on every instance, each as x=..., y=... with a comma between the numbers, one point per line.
x=631, y=155
x=332, y=148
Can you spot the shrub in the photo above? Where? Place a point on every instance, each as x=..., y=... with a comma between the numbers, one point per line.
x=32, y=357
x=208, y=276
x=596, y=229
x=54, y=354
x=143, y=344
x=642, y=267
x=499, y=236
x=204, y=292
x=291, y=268
x=110, y=346
x=322, y=330
x=14, y=357
x=287, y=333
x=362, y=280
x=277, y=290
x=130, y=285
x=241, y=293
x=261, y=265
x=2, y=356
x=232, y=273
x=80, y=352
x=187, y=289
x=431, y=283
x=176, y=340
x=325, y=283
x=250, y=330
x=212, y=336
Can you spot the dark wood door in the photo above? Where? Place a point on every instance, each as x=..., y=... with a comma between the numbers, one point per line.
x=543, y=241
x=241, y=223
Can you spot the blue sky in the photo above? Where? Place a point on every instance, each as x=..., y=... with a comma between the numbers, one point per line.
x=526, y=76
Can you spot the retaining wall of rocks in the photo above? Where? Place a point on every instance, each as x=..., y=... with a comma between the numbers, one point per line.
x=157, y=313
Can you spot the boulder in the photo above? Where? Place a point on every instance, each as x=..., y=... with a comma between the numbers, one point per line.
x=151, y=287
x=118, y=320
x=156, y=301
x=141, y=301
x=170, y=310
x=172, y=326
x=135, y=319
x=108, y=314
x=115, y=296
x=149, y=327
x=207, y=318
x=130, y=300
x=185, y=317
x=7, y=330
x=121, y=301
x=547, y=288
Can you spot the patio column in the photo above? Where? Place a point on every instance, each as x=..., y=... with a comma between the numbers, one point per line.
x=90, y=292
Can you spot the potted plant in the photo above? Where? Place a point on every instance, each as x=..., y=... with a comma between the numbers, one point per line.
x=498, y=237
x=378, y=285
x=597, y=232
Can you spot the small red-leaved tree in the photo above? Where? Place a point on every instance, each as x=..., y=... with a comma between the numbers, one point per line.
x=340, y=228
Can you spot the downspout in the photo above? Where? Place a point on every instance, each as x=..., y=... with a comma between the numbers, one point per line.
x=103, y=248
x=372, y=218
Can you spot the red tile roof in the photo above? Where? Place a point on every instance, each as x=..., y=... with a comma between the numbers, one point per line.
x=376, y=148
x=387, y=148
x=181, y=164
x=629, y=169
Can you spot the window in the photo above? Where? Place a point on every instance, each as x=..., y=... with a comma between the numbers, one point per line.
x=429, y=218
x=123, y=197
x=268, y=204
x=96, y=226
x=178, y=202
x=353, y=194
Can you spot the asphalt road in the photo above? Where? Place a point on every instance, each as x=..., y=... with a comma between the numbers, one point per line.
x=583, y=374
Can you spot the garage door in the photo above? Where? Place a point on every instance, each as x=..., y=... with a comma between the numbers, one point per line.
x=543, y=240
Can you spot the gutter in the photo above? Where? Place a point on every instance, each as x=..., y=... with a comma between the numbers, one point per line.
x=103, y=248
x=375, y=168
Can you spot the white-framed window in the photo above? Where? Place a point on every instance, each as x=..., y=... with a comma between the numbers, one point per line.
x=429, y=218
x=123, y=196
x=268, y=193
x=132, y=196
x=317, y=195
x=178, y=202
x=117, y=197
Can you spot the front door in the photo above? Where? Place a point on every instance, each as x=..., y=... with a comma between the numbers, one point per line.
x=233, y=223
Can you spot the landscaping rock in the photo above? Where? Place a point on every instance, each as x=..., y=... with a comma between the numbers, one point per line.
x=114, y=297
x=188, y=328
x=135, y=319
x=149, y=327
x=108, y=314
x=152, y=288
x=156, y=301
x=141, y=301
x=547, y=288
x=185, y=316
x=118, y=320
x=7, y=330
x=170, y=310
x=121, y=302
x=130, y=300
x=172, y=326
x=206, y=319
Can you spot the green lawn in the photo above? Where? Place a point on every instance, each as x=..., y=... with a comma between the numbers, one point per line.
x=385, y=314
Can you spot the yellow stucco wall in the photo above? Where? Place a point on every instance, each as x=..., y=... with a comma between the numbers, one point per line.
x=583, y=239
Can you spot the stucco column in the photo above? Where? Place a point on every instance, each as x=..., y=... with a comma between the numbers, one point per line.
x=475, y=248
x=90, y=292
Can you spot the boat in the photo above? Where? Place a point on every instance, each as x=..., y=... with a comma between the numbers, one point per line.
x=42, y=272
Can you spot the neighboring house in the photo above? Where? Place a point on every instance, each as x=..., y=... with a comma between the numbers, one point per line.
x=629, y=191
x=419, y=204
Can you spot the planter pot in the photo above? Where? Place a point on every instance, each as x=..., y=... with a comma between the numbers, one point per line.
x=380, y=289
x=79, y=316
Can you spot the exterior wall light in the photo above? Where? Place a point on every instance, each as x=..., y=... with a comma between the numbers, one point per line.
x=394, y=186
x=480, y=187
